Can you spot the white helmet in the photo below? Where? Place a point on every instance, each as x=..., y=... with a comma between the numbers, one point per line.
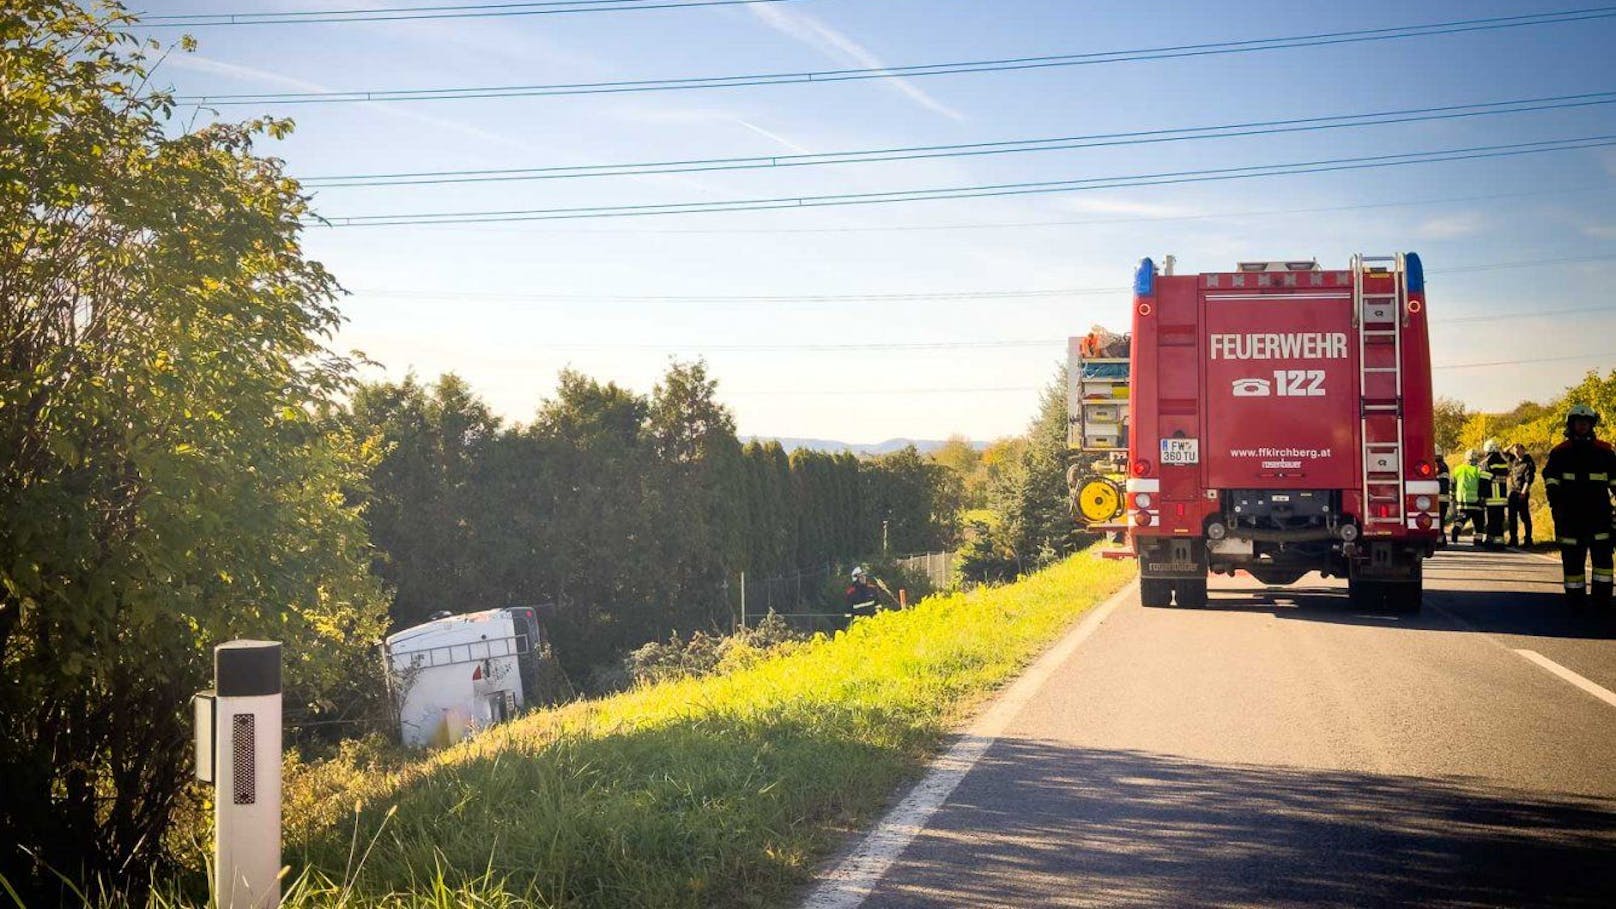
x=1490, y=446
x=1470, y=456
x=858, y=573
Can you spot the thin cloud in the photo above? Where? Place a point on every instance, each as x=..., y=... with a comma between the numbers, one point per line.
x=1101, y=205
x=829, y=41
x=772, y=136
x=1450, y=226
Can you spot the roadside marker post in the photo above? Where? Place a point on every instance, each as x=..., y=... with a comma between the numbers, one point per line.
x=238, y=750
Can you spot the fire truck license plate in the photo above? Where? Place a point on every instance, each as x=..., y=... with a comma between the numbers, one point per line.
x=1180, y=451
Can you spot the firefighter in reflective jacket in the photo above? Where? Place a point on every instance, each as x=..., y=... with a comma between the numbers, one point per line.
x=1467, y=497
x=1495, y=492
x=1578, y=477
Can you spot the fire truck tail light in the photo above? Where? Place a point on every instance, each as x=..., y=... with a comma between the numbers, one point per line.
x=1423, y=522
x=1422, y=503
x=1141, y=500
x=1178, y=509
x=1141, y=467
x=1142, y=518
x=1424, y=470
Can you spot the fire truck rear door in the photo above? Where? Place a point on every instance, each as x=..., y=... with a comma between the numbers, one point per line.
x=1281, y=389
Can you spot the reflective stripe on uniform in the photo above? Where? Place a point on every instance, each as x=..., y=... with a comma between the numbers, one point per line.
x=1603, y=575
x=1551, y=481
x=1574, y=585
x=1601, y=536
x=1568, y=541
x=1602, y=477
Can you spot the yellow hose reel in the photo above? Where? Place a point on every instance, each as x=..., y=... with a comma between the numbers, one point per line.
x=1097, y=499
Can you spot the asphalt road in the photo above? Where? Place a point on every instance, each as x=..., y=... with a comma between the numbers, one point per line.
x=1279, y=748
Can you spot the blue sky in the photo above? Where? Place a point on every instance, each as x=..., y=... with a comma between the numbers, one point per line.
x=508, y=305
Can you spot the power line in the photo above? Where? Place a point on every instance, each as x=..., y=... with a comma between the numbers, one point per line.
x=756, y=298
x=1016, y=225
x=1534, y=314
x=973, y=149
x=980, y=191
x=939, y=296
x=929, y=69
x=1013, y=344
x=1022, y=389
x=403, y=13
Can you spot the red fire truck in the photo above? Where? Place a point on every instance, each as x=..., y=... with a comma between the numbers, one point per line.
x=1282, y=423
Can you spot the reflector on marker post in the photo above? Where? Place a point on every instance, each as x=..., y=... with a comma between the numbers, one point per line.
x=244, y=711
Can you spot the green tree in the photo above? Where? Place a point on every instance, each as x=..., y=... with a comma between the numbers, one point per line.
x=427, y=507
x=699, y=512
x=916, y=499
x=1028, y=493
x=606, y=576
x=171, y=472
x=1451, y=416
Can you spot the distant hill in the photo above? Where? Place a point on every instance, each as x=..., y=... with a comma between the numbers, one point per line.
x=877, y=448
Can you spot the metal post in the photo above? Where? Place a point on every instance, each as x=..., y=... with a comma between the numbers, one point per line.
x=239, y=750
x=883, y=537
x=743, y=601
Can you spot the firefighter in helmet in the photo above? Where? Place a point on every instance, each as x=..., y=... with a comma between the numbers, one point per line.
x=1467, y=497
x=1495, y=492
x=1578, y=477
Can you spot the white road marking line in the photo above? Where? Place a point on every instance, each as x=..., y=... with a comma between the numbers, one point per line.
x=847, y=886
x=1604, y=694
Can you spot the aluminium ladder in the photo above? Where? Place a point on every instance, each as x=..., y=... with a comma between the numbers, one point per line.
x=1378, y=317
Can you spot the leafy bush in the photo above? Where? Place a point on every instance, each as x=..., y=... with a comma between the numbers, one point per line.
x=705, y=654
x=172, y=474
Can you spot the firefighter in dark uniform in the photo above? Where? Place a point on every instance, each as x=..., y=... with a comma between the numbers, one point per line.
x=1444, y=488
x=1495, y=492
x=1522, y=471
x=1577, y=477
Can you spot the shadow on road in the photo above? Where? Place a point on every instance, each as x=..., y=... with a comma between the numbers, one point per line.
x=1465, y=590
x=1045, y=824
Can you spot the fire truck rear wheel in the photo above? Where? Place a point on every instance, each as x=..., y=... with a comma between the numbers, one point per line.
x=1155, y=592
x=1190, y=593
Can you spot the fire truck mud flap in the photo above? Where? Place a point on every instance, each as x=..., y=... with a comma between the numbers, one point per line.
x=1172, y=572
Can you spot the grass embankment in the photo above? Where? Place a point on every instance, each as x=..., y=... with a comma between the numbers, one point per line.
x=722, y=790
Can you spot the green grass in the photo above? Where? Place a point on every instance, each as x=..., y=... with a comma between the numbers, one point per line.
x=724, y=790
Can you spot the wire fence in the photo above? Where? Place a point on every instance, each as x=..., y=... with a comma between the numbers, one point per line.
x=814, y=599
x=937, y=567
x=809, y=600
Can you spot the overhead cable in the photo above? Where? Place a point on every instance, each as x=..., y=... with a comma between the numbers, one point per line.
x=407, y=13
x=1023, y=389
x=1010, y=146
x=1052, y=222
x=965, y=296
x=1319, y=39
x=980, y=191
